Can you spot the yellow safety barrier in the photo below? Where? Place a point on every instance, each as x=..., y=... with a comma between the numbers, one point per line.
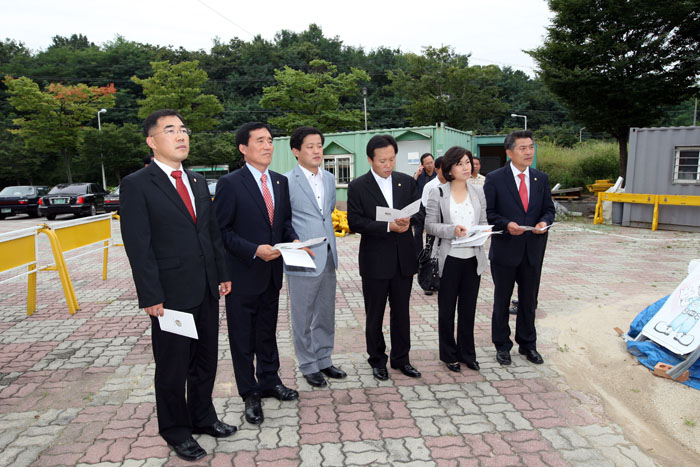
x=72, y=235
x=672, y=200
x=340, y=223
x=19, y=249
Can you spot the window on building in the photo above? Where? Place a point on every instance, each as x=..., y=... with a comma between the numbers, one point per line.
x=687, y=165
x=341, y=167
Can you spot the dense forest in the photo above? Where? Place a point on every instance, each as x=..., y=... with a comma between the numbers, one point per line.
x=296, y=78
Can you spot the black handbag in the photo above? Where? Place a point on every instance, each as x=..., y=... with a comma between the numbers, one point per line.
x=428, y=267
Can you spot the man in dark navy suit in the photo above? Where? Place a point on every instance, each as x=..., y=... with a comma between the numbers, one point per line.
x=387, y=256
x=254, y=212
x=177, y=260
x=517, y=197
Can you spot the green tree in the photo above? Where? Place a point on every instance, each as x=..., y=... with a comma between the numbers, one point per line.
x=51, y=119
x=617, y=64
x=315, y=98
x=121, y=148
x=179, y=87
x=442, y=87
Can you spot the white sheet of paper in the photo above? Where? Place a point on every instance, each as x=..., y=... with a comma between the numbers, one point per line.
x=297, y=245
x=385, y=214
x=477, y=239
x=527, y=227
x=178, y=322
x=298, y=258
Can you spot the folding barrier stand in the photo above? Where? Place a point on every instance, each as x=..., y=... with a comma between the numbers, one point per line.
x=19, y=249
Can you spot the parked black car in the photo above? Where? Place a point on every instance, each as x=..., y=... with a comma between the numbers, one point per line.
x=79, y=199
x=22, y=199
x=112, y=201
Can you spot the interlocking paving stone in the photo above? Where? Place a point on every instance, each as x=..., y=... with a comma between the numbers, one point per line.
x=78, y=390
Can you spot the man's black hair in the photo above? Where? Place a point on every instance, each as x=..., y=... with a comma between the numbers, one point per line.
x=381, y=141
x=152, y=120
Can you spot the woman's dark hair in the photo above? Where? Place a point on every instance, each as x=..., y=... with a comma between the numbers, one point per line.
x=452, y=157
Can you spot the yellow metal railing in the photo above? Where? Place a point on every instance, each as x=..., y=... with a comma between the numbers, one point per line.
x=636, y=198
x=17, y=250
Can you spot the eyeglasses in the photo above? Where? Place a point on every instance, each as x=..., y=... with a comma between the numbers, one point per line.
x=173, y=131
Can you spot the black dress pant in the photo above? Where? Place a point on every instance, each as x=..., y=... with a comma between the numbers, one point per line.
x=376, y=291
x=252, y=328
x=459, y=287
x=186, y=365
x=504, y=277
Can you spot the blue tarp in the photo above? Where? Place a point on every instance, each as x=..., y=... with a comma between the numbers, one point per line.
x=649, y=353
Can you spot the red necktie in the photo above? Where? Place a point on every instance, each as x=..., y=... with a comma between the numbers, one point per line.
x=182, y=191
x=523, y=191
x=267, y=196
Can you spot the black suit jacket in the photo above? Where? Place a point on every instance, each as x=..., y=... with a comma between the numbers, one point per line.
x=503, y=205
x=173, y=259
x=244, y=222
x=381, y=252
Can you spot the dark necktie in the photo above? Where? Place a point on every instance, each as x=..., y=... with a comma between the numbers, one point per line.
x=523, y=191
x=267, y=196
x=182, y=191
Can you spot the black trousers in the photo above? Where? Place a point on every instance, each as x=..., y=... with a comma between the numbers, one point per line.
x=185, y=365
x=376, y=292
x=459, y=288
x=418, y=237
x=252, y=327
x=504, y=277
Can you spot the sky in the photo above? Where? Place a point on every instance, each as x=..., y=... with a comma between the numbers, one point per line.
x=492, y=31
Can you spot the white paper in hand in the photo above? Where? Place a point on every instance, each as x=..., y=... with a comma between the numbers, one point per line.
x=298, y=258
x=178, y=322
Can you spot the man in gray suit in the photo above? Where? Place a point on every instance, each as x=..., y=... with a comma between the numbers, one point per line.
x=312, y=291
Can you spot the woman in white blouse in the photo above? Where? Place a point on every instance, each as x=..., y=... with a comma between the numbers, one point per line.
x=450, y=215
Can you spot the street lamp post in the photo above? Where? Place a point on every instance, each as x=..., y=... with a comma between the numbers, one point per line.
x=580, y=134
x=102, y=160
x=364, y=99
x=520, y=116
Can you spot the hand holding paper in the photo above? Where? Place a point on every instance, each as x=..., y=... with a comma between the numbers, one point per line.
x=178, y=322
x=385, y=214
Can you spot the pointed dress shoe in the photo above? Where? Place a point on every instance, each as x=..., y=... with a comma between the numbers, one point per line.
x=532, y=355
x=454, y=366
x=334, y=372
x=253, y=409
x=316, y=380
x=218, y=429
x=281, y=392
x=380, y=373
x=189, y=450
x=503, y=357
x=472, y=365
x=407, y=370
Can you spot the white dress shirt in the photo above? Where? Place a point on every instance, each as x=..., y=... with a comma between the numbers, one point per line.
x=516, y=174
x=462, y=214
x=385, y=186
x=427, y=189
x=257, y=176
x=185, y=179
x=316, y=182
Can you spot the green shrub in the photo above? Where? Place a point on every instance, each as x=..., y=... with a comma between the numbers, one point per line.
x=580, y=165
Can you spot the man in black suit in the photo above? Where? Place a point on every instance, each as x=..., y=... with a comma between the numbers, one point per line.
x=254, y=212
x=387, y=257
x=174, y=247
x=517, y=196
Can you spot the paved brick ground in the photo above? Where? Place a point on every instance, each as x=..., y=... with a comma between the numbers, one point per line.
x=78, y=390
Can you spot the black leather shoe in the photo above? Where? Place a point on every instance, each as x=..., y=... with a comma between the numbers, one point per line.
x=380, y=373
x=503, y=357
x=316, y=380
x=218, y=429
x=253, y=409
x=334, y=372
x=532, y=355
x=454, y=367
x=281, y=392
x=189, y=450
x=473, y=365
x=513, y=310
x=408, y=370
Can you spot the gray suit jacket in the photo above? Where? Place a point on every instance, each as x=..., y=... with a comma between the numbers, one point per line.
x=307, y=220
x=446, y=229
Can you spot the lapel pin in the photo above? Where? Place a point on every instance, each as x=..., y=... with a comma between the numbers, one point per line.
x=535, y=179
x=278, y=182
x=195, y=180
x=399, y=184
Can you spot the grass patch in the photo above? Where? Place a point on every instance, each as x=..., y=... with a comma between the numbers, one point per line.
x=580, y=165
